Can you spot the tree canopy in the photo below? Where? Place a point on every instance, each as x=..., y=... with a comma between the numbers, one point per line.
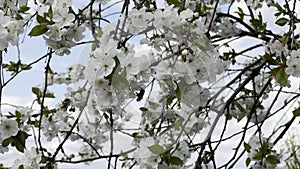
x=185, y=84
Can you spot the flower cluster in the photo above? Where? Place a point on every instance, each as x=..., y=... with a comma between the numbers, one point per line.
x=31, y=160
x=227, y=29
x=243, y=107
x=277, y=47
x=262, y=154
x=74, y=74
x=162, y=98
x=290, y=57
x=144, y=157
x=10, y=28
x=150, y=154
x=62, y=32
x=293, y=63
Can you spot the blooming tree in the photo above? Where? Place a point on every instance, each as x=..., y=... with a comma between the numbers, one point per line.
x=192, y=90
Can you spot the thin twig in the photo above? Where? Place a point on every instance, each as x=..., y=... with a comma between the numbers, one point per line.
x=212, y=18
x=28, y=66
x=96, y=158
x=1, y=82
x=111, y=138
x=70, y=131
x=87, y=141
x=47, y=68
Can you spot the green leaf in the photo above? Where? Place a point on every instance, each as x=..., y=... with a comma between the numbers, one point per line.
x=38, y=30
x=49, y=95
x=50, y=13
x=25, y=67
x=282, y=21
x=18, y=114
x=24, y=8
x=272, y=159
x=136, y=135
x=170, y=99
x=176, y=3
x=19, y=140
x=255, y=22
x=178, y=91
x=258, y=156
x=247, y=147
x=176, y=161
x=269, y=59
x=36, y=123
x=296, y=112
x=15, y=67
x=156, y=149
x=120, y=82
x=37, y=92
x=147, y=4
x=240, y=107
x=19, y=17
x=42, y=20
x=248, y=161
x=240, y=13
x=258, y=23
x=281, y=77
x=143, y=109
x=178, y=123
x=265, y=148
x=100, y=33
x=6, y=142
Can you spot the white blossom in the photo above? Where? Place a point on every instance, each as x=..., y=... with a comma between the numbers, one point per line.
x=8, y=128
x=138, y=21
x=143, y=156
x=293, y=67
x=277, y=47
x=63, y=17
x=30, y=160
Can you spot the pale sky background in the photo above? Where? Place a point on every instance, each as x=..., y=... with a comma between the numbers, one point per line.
x=18, y=92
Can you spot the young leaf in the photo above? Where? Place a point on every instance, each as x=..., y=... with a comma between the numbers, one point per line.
x=282, y=21
x=296, y=112
x=49, y=95
x=176, y=3
x=281, y=77
x=178, y=123
x=241, y=13
x=6, y=142
x=176, y=161
x=143, y=109
x=24, y=8
x=269, y=59
x=100, y=33
x=120, y=82
x=247, y=147
x=19, y=140
x=42, y=20
x=170, y=99
x=38, y=30
x=272, y=159
x=156, y=149
x=37, y=92
x=248, y=161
